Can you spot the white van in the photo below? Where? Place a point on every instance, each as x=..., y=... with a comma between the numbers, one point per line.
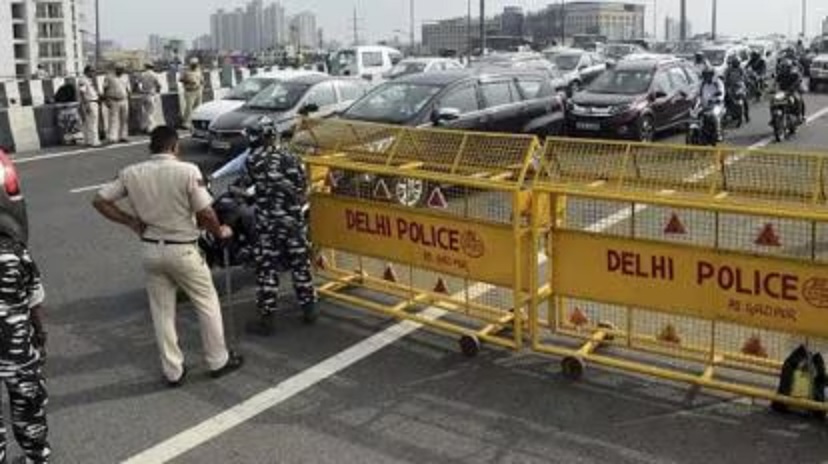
x=367, y=62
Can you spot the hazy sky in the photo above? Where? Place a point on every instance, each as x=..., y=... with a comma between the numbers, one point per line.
x=131, y=22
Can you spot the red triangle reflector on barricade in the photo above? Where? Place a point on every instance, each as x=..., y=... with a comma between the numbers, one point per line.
x=437, y=200
x=331, y=180
x=675, y=226
x=390, y=275
x=578, y=318
x=441, y=287
x=381, y=190
x=768, y=237
x=321, y=262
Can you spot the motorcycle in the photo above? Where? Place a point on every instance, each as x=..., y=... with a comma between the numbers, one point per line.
x=784, y=116
x=755, y=85
x=735, y=105
x=702, y=128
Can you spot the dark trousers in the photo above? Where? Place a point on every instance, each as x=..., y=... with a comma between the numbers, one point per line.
x=281, y=249
x=28, y=398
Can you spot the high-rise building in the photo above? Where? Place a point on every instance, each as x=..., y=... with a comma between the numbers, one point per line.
x=42, y=33
x=155, y=45
x=304, y=33
x=512, y=22
x=253, y=28
x=613, y=20
x=825, y=26
x=274, y=31
x=203, y=42
x=672, y=29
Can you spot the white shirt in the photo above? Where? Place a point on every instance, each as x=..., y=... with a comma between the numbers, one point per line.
x=149, y=83
x=87, y=89
x=712, y=93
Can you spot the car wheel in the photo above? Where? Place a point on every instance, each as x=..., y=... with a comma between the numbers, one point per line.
x=646, y=129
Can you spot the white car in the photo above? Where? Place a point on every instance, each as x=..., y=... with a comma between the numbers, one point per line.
x=205, y=114
x=422, y=65
x=719, y=55
x=819, y=65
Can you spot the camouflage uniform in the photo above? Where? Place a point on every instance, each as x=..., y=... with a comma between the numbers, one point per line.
x=20, y=357
x=281, y=225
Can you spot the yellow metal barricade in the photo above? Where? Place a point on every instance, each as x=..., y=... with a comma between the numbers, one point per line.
x=701, y=265
x=425, y=225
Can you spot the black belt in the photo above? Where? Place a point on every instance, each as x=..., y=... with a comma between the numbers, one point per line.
x=168, y=242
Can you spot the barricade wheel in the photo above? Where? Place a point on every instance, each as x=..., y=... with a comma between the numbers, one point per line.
x=469, y=345
x=573, y=367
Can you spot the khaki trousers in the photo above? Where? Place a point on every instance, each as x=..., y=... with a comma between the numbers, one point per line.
x=192, y=100
x=169, y=267
x=150, y=105
x=91, y=113
x=118, y=127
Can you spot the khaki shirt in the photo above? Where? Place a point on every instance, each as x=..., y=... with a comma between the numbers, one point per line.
x=192, y=80
x=165, y=193
x=149, y=83
x=116, y=88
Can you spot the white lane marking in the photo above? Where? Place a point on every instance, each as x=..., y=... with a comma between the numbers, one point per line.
x=213, y=427
x=86, y=189
x=84, y=151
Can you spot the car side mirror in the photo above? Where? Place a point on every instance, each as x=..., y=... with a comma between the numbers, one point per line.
x=658, y=95
x=443, y=115
x=308, y=109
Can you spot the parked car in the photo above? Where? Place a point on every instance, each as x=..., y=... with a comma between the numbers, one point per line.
x=367, y=62
x=526, y=61
x=314, y=94
x=635, y=100
x=579, y=67
x=205, y=114
x=422, y=65
x=719, y=55
x=516, y=101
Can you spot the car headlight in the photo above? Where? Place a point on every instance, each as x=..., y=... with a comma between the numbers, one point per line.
x=578, y=109
x=618, y=109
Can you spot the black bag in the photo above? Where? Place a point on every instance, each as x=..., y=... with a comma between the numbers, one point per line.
x=803, y=376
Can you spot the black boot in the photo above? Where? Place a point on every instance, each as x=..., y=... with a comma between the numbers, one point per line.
x=310, y=313
x=264, y=326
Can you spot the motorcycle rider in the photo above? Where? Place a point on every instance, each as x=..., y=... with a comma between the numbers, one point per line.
x=712, y=96
x=735, y=80
x=700, y=62
x=789, y=80
x=758, y=64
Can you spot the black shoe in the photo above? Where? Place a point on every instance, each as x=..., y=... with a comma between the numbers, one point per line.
x=264, y=326
x=234, y=362
x=310, y=313
x=179, y=382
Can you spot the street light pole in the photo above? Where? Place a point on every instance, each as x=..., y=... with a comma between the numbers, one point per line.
x=715, y=19
x=412, y=26
x=97, y=33
x=563, y=22
x=469, y=29
x=655, y=19
x=683, y=22
x=482, y=27
x=804, y=18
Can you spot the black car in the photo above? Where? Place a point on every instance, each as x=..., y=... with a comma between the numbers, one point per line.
x=496, y=101
x=635, y=100
x=316, y=95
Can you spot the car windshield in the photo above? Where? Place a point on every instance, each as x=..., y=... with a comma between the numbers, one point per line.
x=715, y=57
x=405, y=68
x=249, y=88
x=821, y=46
x=624, y=82
x=567, y=62
x=279, y=96
x=393, y=102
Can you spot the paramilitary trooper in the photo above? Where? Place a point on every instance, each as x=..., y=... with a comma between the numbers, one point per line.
x=22, y=341
x=281, y=206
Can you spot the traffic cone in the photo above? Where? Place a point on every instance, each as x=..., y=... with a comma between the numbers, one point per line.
x=578, y=318
x=753, y=347
x=669, y=334
x=390, y=274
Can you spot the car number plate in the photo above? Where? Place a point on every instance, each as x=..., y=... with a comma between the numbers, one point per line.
x=590, y=126
x=220, y=145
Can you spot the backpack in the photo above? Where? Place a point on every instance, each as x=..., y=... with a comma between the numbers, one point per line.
x=803, y=376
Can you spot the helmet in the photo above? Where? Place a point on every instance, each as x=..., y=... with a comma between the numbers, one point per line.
x=734, y=62
x=708, y=73
x=755, y=55
x=785, y=66
x=260, y=132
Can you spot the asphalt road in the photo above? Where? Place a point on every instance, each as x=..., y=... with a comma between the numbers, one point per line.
x=401, y=399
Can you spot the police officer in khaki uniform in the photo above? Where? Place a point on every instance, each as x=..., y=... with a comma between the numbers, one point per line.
x=171, y=202
x=193, y=81
x=117, y=91
x=90, y=106
x=150, y=88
